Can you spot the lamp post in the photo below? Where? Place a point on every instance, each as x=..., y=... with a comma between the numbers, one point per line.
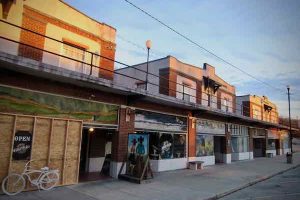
x=148, y=45
x=290, y=124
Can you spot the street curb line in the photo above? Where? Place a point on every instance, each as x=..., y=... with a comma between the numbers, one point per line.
x=218, y=196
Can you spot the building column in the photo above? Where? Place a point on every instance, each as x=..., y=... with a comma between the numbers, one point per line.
x=250, y=144
x=191, y=138
x=227, y=150
x=120, y=140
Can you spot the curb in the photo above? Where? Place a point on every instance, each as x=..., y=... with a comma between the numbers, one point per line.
x=218, y=196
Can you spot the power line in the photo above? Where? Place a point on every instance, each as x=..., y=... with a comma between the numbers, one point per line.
x=153, y=52
x=199, y=46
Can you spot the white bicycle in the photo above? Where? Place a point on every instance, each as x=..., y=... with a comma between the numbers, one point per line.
x=43, y=179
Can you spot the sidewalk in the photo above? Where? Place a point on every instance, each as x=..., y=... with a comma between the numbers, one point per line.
x=181, y=184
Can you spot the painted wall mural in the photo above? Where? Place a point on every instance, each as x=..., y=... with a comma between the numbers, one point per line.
x=20, y=101
x=204, y=145
x=211, y=127
x=156, y=121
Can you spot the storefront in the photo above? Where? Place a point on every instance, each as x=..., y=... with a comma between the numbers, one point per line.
x=211, y=142
x=259, y=142
x=240, y=142
x=273, y=144
x=167, y=139
x=285, y=141
x=57, y=127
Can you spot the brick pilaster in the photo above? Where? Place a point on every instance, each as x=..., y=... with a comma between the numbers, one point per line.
x=227, y=140
x=250, y=140
x=191, y=137
x=120, y=138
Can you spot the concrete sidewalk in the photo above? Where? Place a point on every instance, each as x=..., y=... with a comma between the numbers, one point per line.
x=211, y=182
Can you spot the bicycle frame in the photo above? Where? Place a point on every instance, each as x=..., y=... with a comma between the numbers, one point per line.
x=29, y=173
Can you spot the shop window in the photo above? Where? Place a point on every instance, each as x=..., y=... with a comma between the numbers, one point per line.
x=179, y=146
x=271, y=144
x=167, y=146
x=204, y=145
x=239, y=144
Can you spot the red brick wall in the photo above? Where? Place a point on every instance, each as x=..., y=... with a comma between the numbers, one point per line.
x=120, y=138
x=40, y=84
x=198, y=92
x=191, y=138
x=172, y=83
x=164, y=81
x=32, y=39
x=107, y=65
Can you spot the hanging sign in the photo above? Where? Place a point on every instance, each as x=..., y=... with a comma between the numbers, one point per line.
x=22, y=145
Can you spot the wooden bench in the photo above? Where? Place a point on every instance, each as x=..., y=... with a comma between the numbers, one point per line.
x=195, y=165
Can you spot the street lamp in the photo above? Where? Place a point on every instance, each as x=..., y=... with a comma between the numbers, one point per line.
x=148, y=45
x=291, y=137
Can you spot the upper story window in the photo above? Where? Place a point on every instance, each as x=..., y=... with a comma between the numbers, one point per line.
x=74, y=52
x=186, y=92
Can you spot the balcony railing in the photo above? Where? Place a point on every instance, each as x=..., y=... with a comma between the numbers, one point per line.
x=71, y=57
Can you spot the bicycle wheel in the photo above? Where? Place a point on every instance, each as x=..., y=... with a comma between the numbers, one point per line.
x=13, y=184
x=48, y=180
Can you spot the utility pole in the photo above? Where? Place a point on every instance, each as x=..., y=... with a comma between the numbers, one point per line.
x=290, y=123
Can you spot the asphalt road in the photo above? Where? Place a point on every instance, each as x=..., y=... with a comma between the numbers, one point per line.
x=284, y=186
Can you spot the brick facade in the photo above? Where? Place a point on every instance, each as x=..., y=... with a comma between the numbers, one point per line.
x=120, y=138
x=191, y=137
x=32, y=39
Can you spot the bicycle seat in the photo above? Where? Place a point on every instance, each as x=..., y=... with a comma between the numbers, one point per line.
x=45, y=168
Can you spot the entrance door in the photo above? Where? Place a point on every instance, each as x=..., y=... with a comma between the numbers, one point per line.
x=259, y=147
x=95, y=154
x=219, y=148
x=277, y=146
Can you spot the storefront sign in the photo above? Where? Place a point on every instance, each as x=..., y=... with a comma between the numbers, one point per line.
x=159, y=122
x=22, y=145
x=210, y=127
x=36, y=103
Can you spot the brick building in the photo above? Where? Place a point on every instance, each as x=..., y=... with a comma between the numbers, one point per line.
x=58, y=85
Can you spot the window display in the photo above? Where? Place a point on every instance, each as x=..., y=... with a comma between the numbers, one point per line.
x=167, y=146
x=239, y=144
x=271, y=144
x=204, y=145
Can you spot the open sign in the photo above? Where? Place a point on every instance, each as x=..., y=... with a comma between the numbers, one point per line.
x=22, y=145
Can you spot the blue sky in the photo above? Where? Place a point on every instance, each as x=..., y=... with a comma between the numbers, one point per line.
x=260, y=37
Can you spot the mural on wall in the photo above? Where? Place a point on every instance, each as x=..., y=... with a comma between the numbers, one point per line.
x=166, y=144
x=212, y=127
x=204, y=145
x=35, y=103
x=156, y=121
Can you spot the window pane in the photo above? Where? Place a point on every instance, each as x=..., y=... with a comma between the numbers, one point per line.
x=166, y=144
x=205, y=145
x=179, y=146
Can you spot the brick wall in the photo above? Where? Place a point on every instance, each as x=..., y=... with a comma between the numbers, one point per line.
x=45, y=85
x=120, y=138
x=191, y=137
x=32, y=39
x=107, y=65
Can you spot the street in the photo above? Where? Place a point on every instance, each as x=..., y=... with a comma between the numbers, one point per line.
x=284, y=186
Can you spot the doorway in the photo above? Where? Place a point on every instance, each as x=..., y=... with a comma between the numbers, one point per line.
x=259, y=147
x=219, y=148
x=277, y=146
x=95, y=155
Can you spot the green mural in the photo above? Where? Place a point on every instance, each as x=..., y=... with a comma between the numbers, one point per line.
x=34, y=103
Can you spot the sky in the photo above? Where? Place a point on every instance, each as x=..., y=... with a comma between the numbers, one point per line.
x=260, y=37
